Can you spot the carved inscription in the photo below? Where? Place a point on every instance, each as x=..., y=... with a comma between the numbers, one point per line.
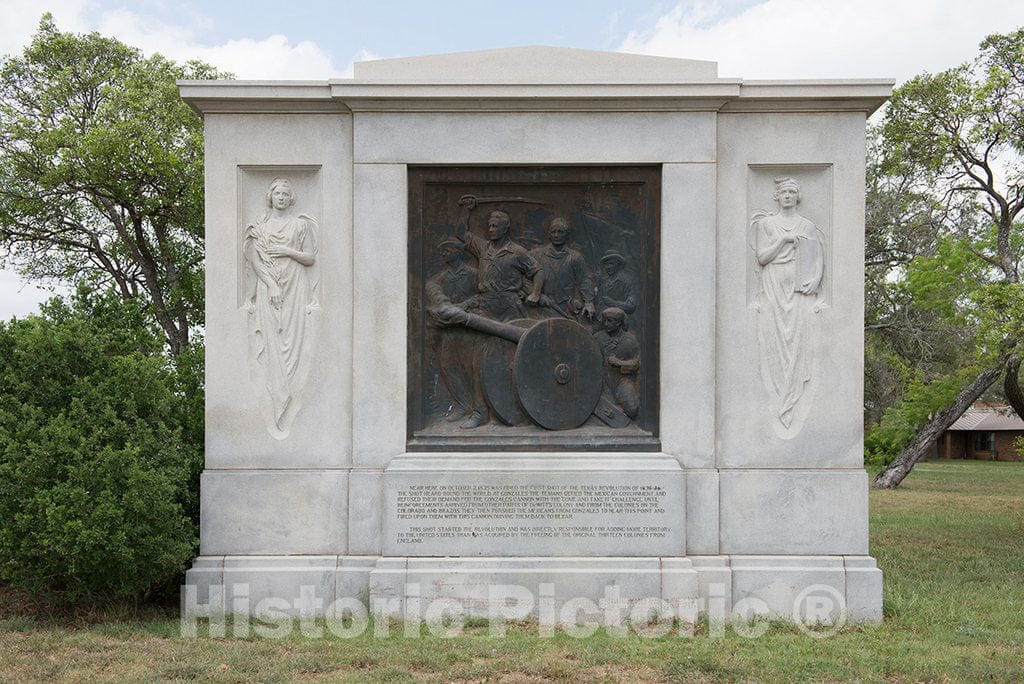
x=416, y=535
x=503, y=502
x=568, y=513
x=477, y=510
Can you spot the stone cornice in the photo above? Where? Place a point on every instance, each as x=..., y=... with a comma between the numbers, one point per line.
x=347, y=95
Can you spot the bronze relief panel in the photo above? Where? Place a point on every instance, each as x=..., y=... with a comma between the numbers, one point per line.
x=533, y=307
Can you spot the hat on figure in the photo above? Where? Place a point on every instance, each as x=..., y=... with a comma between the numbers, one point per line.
x=612, y=255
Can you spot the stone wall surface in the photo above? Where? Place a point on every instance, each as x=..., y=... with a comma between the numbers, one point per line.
x=755, y=490
x=244, y=153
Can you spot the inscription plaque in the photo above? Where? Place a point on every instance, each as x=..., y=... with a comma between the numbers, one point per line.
x=579, y=514
x=533, y=308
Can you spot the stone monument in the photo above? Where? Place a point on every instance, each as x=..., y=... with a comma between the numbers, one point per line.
x=535, y=318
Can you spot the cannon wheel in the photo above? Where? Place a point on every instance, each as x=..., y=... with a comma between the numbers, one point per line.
x=559, y=373
x=496, y=375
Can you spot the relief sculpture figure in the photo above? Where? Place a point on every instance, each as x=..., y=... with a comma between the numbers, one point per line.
x=280, y=252
x=615, y=288
x=621, y=360
x=504, y=277
x=563, y=286
x=505, y=269
x=532, y=307
x=557, y=372
x=453, y=346
x=790, y=253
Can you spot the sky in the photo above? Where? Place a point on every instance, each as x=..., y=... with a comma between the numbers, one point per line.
x=320, y=39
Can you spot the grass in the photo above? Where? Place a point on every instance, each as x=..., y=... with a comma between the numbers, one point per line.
x=950, y=541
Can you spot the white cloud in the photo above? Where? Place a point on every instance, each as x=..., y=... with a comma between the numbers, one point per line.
x=271, y=57
x=20, y=298
x=21, y=19
x=828, y=38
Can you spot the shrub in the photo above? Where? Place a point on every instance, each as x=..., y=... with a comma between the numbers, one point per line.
x=99, y=453
x=901, y=422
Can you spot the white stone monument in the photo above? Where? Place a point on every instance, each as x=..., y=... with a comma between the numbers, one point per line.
x=744, y=486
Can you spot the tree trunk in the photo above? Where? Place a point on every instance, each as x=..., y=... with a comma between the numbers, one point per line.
x=901, y=466
x=1011, y=385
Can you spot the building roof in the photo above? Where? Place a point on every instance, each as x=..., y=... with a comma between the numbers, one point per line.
x=989, y=419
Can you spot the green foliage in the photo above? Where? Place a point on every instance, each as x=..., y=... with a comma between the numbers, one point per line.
x=962, y=290
x=970, y=113
x=101, y=173
x=905, y=338
x=946, y=282
x=920, y=325
x=101, y=432
x=100, y=451
x=886, y=376
x=955, y=136
x=944, y=247
x=901, y=422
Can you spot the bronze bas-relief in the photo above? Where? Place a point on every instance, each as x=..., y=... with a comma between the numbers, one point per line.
x=533, y=307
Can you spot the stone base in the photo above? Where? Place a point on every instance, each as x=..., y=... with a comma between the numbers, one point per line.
x=240, y=584
x=805, y=588
x=519, y=588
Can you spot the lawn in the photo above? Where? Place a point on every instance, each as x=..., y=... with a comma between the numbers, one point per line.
x=950, y=541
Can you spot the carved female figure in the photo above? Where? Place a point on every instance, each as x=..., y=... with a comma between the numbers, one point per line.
x=280, y=250
x=790, y=252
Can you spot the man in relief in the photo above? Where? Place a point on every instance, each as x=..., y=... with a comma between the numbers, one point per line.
x=621, y=360
x=614, y=286
x=453, y=345
x=563, y=286
x=279, y=250
x=791, y=255
x=504, y=269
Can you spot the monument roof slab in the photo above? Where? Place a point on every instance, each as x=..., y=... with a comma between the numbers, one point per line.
x=537, y=64
x=536, y=79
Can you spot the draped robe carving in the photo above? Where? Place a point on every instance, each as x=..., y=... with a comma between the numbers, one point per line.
x=791, y=256
x=280, y=331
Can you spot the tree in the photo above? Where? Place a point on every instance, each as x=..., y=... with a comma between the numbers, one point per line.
x=101, y=175
x=903, y=342
x=959, y=135
x=100, y=453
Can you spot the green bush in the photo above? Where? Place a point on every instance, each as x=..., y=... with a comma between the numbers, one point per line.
x=100, y=453
x=900, y=422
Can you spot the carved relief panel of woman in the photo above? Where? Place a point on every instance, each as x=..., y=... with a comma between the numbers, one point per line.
x=280, y=254
x=790, y=253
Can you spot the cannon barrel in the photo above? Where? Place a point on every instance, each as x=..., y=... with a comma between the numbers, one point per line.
x=455, y=314
x=506, y=331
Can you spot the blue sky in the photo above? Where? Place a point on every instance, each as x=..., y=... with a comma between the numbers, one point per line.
x=749, y=38
x=318, y=39
x=409, y=27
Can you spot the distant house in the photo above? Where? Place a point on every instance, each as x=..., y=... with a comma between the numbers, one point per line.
x=984, y=432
